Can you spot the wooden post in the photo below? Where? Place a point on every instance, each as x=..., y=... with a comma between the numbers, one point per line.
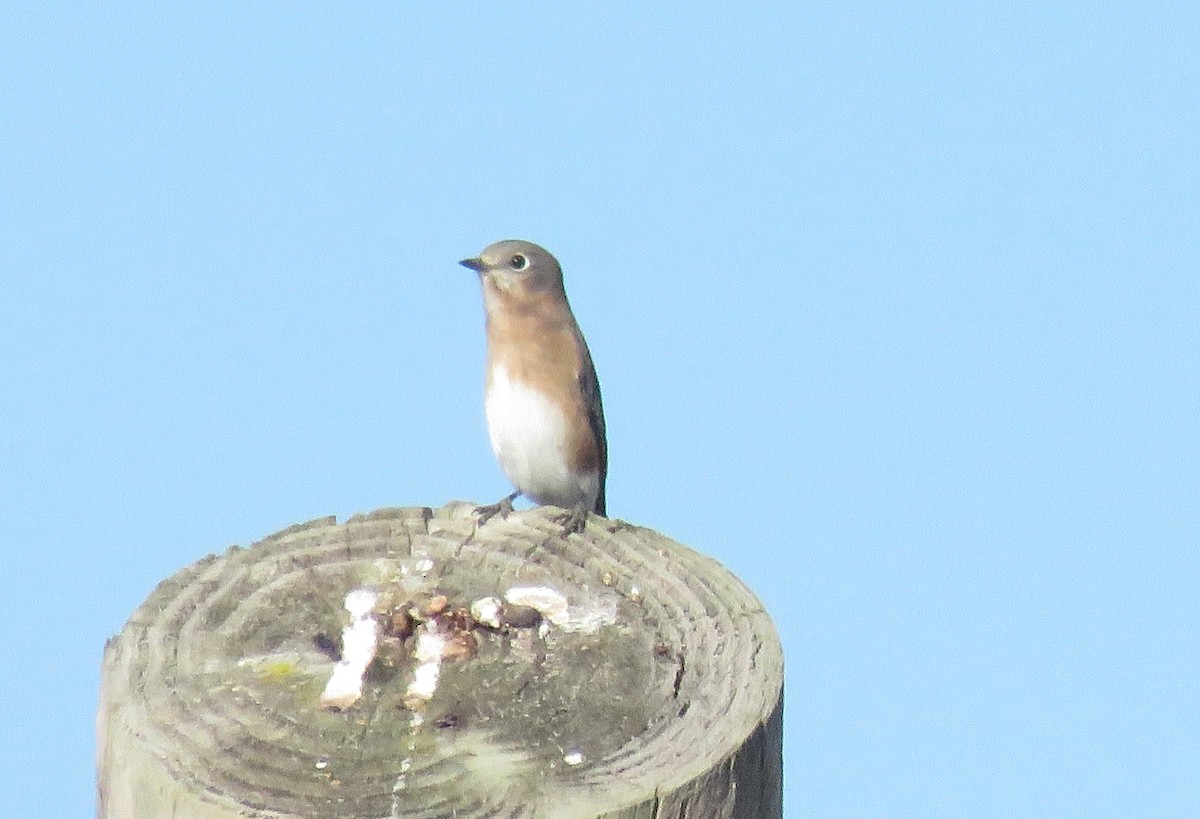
x=410, y=663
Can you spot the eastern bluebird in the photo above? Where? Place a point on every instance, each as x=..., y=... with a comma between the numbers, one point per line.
x=542, y=398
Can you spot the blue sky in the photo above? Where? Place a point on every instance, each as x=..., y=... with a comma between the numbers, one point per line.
x=895, y=310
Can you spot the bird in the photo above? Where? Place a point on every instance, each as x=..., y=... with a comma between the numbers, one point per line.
x=545, y=419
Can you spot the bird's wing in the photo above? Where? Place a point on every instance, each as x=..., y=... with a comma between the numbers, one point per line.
x=589, y=386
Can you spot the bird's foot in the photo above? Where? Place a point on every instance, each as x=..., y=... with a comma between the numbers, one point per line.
x=573, y=520
x=502, y=507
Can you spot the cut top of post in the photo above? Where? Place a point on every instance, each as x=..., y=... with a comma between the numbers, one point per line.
x=409, y=661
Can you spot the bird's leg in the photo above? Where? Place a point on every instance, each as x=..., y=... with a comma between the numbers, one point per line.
x=502, y=507
x=573, y=520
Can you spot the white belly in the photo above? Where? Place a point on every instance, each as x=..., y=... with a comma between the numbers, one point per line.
x=529, y=437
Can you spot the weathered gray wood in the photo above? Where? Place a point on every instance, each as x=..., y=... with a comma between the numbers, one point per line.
x=659, y=695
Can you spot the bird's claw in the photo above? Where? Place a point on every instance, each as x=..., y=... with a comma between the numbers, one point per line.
x=502, y=507
x=573, y=521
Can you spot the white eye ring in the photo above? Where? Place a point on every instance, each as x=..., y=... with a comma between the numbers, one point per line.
x=518, y=261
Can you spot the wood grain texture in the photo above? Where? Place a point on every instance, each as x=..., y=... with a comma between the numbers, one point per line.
x=661, y=696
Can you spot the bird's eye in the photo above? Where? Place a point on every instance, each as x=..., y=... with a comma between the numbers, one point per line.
x=518, y=262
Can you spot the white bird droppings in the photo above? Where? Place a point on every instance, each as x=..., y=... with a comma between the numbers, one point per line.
x=552, y=605
x=486, y=610
x=587, y=617
x=431, y=647
x=359, y=641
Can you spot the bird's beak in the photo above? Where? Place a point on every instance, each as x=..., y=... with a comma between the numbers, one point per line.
x=474, y=264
